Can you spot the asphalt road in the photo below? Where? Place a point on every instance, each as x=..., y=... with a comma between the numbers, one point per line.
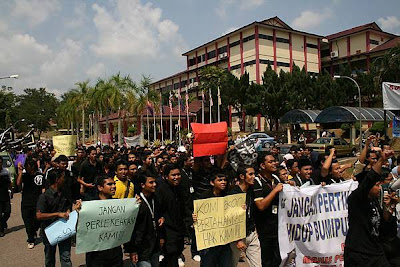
x=14, y=249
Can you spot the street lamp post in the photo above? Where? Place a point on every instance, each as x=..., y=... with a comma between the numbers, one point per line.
x=14, y=76
x=359, y=102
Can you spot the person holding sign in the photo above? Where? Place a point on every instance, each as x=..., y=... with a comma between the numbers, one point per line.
x=266, y=199
x=51, y=206
x=144, y=246
x=367, y=221
x=110, y=257
x=219, y=256
x=250, y=245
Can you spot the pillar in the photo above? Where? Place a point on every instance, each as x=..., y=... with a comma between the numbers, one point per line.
x=318, y=132
x=289, y=137
x=353, y=134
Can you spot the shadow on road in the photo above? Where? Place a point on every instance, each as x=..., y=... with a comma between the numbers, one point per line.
x=15, y=228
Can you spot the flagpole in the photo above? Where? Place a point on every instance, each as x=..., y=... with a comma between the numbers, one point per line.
x=154, y=125
x=179, y=116
x=170, y=115
x=187, y=110
x=202, y=106
x=219, y=102
x=148, y=124
x=211, y=104
x=161, y=120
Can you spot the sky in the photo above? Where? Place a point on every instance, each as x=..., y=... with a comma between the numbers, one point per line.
x=57, y=43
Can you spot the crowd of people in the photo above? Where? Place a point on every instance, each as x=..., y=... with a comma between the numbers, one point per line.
x=166, y=181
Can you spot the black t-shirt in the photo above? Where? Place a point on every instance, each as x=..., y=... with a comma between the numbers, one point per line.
x=32, y=188
x=89, y=172
x=4, y=185
x=250, y=224
x=266, y=220
x=201, y=182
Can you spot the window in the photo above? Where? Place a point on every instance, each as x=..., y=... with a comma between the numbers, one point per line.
x=183, y=83
x=283, y=64
x=192, y=62
x=249, y=38
x=203, y=57
x=312, y=46
x=266, y=37
x=198, y=59
x=176, y=86
x=234, y=44
x=169, y=87
x=282, y=40
x=222, y=50
x=211, y=54
x=325, y=53
x=374, y=42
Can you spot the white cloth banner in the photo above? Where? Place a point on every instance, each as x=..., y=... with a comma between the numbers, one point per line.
x=313, y=224
x=391, y=96
x=132, y=141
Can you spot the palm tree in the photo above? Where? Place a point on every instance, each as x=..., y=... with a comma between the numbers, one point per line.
x=83, y=102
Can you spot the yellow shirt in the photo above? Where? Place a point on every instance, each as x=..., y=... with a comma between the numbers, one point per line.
x=121, y=188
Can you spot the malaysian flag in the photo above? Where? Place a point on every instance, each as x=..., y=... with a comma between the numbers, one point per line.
x=170, y=102
x=149, y=107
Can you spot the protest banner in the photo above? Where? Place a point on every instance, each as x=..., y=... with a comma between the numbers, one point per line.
x=209, y=139
x=396, y=127
x=313, y=224
x=64, y=145
x=105, y=224
x=62, y=229
x=132, y=141
x=244, y=153
x=220, y=220
x=391, y=96
x=106, y=139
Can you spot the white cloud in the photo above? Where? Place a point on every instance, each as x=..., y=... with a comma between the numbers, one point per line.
x=133, y=30
x=80, y=16
x=309, y=19
x=389, y=23
x=224, y=5
x=95, y=71
x=35, y=11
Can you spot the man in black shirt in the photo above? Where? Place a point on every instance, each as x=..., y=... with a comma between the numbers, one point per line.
x=367, y=220
x=110, y=257
x=170, y=194
x=250, y=244
x=144, y=246
x=50, y=207
x=90, y=169
x=5, y=204
x=266, y=199
x=32, y=182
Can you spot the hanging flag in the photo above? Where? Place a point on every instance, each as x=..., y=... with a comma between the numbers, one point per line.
x=149, y=107
x=219, y=97
x=187, y=101
x=170, y=102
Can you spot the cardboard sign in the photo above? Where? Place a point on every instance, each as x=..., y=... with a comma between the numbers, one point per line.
x=244, y=153
x=106, y=139
x=209, y=139
x=62, y=229
x=64, y=145
x=105, y=224
x=220, y=220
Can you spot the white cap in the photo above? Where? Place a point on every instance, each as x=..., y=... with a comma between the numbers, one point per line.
x=288, y=156
x=181, y=149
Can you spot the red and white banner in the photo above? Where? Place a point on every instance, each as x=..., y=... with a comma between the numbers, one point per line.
x=391, y=96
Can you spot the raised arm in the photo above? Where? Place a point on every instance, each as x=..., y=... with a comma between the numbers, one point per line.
x=327, y=163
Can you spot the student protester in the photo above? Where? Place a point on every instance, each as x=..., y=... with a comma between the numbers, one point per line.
x=170, y=194
x=32, y=185
x=133, y=177
x=5, y=195
x=144, y=246
x=368, y=221
x=368, y=158
x=305, y=173
x=51, y=206
x=283, y=175
x=219, y=256
x=331, y=173
x=250, y=244
x=266, y=192
x=110, y=257
x=125, y=188
x=293, y=168
x=71, y=188
x=90, y=169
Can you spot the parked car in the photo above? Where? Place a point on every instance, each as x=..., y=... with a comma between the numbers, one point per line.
x=260, y=135
x=264, y=144
x=342, y=147
x=8, y=163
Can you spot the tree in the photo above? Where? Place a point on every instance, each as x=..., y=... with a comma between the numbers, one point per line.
x=37, y=107
x=387, y=67
x=7, y=111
